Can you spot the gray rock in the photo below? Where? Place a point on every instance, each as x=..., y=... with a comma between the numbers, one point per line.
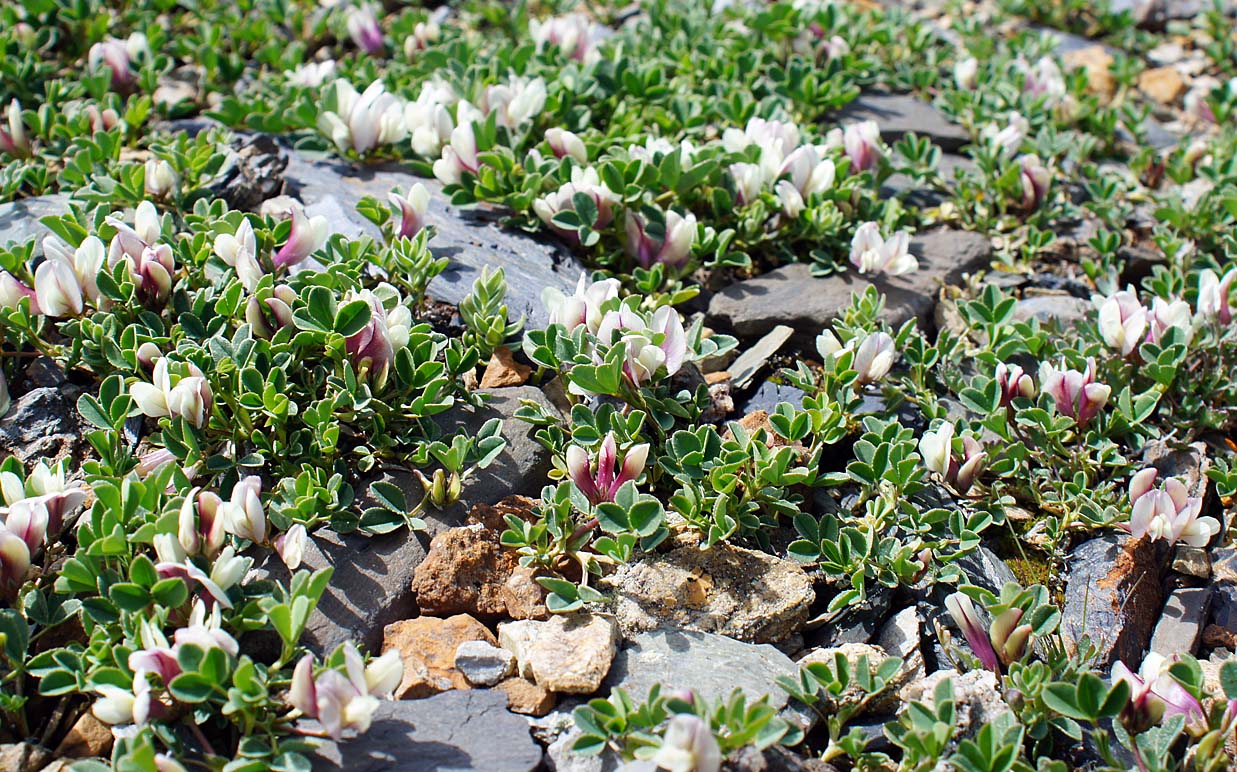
x=986, y=570
x=917, y=194
x=470, y=239
x=901, y=114
x=744, y=368
x=713, y=666
x=19, y=220
x=775, y=758
x=768, y=396
x=43, y=424
x=1062, y=310
x=1191, y=561
x=858, y=623
x=456, y=731
x=1181, y=625
x=1189, y=462
x=23, y=757
x=745, y=594
x=483, y=664
x=1113, y=596
x=1224, y=607
x=790, y=295
x=522, y=467
x=902, y=637
x=370, y=589
x=251, y=173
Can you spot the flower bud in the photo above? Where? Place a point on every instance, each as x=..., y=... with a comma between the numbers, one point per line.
x=14, y=560
x=57, y=290
x=191, y=399
x=966, y=73
x=306, y=237
x=290, y=546
x=160, y=178
x=14, y=141
x=862, y=143
x=243, y=514
x=412, y=210
x=365, y=31
x=564, y=143
x=12, y=291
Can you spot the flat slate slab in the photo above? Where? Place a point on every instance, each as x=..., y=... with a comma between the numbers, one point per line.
x=900, y=114
x=457, y=731
x=792, y=296
x=470, y=239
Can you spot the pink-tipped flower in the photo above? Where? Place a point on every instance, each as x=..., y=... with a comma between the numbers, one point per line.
x=862, y=143
x=587, y=182
x=200, y=527
x=669, y=243
x=1168, y=514
x=584, y=307
x=56, y=289
x=365, y=31
x=688, y=746
x=12, y=291
x=966, y=73
x=1010, y=637
x=1007, y=139
x=14, y=561
x=1075, y=393
x=1213, y=294
x=28, y=519
x=243, y=515
x=654, y=347
x=1154, y=694
x=1013, y=383
x=1122, y=321
x=412, y=210
x=872, y=253
x=307, y=236
x=1044, y=79
x=362, y=121
x=600, y=482
x=118, y=56
x=938, y=456
x=344, y=700
x=968, y=621
x=565, y=144
x=152, y=273
x=577, y=36
x=373, y=348
x=1165, y=315
x=1035, y=179
x=14, y=141
x=873, y=357
x=280, y=304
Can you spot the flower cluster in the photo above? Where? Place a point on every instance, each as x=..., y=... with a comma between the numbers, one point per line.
x=348, y=699
x=937, y=450
x=1169, y=514
x=34, y=512
x=873, y=353
x=601, y=480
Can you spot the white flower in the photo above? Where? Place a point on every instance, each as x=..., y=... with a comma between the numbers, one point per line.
x=966, y=73
x=1167, y=314
x=516, y=102
x=937, y=448
x=57, y=289
x=871, y=253
x=312, y=74
x=160, y=178
x=873, y=353
x=241, y=252
x=1008, y=138
x=688, y=746
x=362, y=121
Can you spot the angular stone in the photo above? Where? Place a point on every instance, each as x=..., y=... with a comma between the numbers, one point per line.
x=1097, y=61
x=470, y=239
x=22, y=757
x=711, y=665
x=464, y=572
x=977, y=699
x=88, y=737
x=1191, y=561
x=566, y=653
x=483, y=663
x=775, y=758
x=902, y=637
x=371, y=586
x=1181, y=624
x=790, y=295
x=461, y=731
x=252, y=172
x=1162, y=84
x=43, y=424
x=428, y=646
x=751, y=361
x=526, y=697
x=1189, y=462
x=523, y=597
x=1113, y=596
x=986, y=570
x=853, y=652
x=1062, y=310
x=857, y=623
x=900, y=114
x=503, y=370
x=745, y=594
x=770, y=394
x=19, y=220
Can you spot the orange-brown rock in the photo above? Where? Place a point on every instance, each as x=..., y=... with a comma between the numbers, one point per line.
x=1163, y=84
x=427, y=646
x=88, y=737
x=524, y=696
x=503, y=370
x=524, y=598
x=464, y=572
x=1098, y=63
